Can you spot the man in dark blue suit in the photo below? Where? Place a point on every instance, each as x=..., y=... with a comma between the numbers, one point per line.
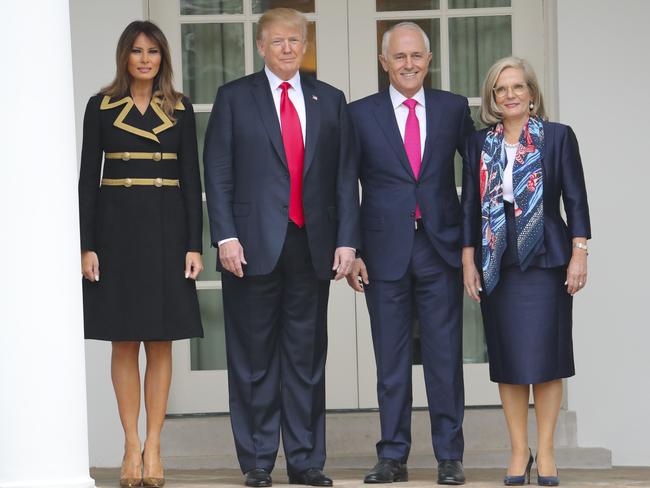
x=410, y=252
x=282, y=195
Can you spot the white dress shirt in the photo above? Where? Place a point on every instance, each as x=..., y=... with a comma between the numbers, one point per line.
x=402, y=112
x=295, y=95
x=508, y=190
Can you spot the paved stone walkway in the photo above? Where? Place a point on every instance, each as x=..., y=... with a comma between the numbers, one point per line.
x=419, y=478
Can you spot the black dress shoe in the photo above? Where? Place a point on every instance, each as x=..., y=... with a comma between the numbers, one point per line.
x=450, y=472
x=310, y=477
x=387, y=471
x=258, y=477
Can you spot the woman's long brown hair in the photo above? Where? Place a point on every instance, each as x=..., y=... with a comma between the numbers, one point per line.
x=162, y=83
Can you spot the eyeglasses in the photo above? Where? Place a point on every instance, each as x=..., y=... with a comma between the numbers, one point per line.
x=519, y=89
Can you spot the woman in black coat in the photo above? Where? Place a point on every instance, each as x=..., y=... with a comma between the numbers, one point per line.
x=531, y=262
x=141, y=231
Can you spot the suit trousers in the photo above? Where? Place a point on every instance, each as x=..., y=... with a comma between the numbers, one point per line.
x=431, y=293
x=276, y=342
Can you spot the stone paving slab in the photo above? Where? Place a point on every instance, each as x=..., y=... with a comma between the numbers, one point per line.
x=419, y=478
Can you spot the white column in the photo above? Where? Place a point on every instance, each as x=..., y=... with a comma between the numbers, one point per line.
x=43, y=431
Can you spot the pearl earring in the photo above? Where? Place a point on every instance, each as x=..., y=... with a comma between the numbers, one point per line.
x=531, y=105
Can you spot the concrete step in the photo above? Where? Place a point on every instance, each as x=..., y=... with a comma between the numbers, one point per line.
x=484, y=428
x=567, y=457
x=206, y=442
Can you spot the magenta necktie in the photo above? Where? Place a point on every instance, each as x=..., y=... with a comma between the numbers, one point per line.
x=294, y=149
x=412, y=143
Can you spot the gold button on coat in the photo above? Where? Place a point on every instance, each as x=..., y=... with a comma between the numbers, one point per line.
x=127, y=182
x=158, y=182
x=157, y=156
x=126, y=156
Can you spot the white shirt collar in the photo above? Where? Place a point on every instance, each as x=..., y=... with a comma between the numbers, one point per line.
x=275, y=82
x=398, y=99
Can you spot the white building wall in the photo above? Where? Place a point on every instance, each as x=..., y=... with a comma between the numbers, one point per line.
x=604, y=94
x=43, y=428
x=96, y=26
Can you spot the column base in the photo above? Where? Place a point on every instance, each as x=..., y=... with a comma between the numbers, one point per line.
x=59, y=483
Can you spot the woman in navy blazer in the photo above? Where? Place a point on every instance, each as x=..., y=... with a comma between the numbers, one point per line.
x=521, y=260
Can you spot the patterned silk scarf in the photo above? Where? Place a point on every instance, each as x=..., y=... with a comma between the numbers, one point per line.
x=527, y=184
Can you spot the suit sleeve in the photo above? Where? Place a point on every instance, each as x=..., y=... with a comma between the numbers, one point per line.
x=347, y=185
x=191, y=180
x=574, y=191
x=470, y=195
x=465, y=129
x=89, y=173
x=218, y=160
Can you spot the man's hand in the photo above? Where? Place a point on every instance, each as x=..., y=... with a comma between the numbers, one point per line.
x=193, y=264
x=358, y=277
x=343, y=259
x=90, y=265
x=231, y=256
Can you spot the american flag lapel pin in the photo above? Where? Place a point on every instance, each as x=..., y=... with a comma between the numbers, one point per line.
x=314, y=97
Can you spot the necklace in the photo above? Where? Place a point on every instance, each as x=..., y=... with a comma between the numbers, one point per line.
x=510, y=146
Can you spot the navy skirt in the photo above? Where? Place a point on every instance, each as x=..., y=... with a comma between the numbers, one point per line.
x=527, y=320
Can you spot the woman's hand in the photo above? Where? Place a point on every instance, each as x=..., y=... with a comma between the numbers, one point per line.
x=193, y=264
x=90, y=265
x=471, y=276
x=576, y=273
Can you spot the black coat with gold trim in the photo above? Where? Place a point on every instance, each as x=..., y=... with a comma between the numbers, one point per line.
x=141, y=216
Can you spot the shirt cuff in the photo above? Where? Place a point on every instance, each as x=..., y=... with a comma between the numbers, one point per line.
x=223, y=241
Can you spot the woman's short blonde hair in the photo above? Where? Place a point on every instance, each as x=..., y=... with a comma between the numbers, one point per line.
x=281, y=15
x=490, y=113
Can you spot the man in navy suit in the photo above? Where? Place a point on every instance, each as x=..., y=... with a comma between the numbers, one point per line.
x=282, y=196
x=410, y=251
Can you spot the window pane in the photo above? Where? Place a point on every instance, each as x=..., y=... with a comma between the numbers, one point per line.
x=392, y=5
x=201, y=126
x=209, y=353
x=474, y=348
x=474, y=44
x=478, y=3
x=209, y=272
x=261, y=6
x=213, y=54
x=308, y=61
x=214, y=7
x=432, y=28
x=458, y=161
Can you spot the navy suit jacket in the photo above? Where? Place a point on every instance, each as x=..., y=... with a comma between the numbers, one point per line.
x=390, y=190
x=563, y=179
x=247, y=177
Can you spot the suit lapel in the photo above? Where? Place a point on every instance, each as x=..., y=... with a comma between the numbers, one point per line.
x=433, y=122
x=264, y=100
x=385, y=115
x=312, y=110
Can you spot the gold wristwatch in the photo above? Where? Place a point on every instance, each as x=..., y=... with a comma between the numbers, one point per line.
x=580, y=245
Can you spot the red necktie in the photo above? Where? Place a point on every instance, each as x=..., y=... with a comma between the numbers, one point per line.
x=294, y=149
x=412, y=143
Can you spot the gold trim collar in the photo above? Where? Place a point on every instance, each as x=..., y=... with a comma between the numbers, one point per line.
x=129, y=104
